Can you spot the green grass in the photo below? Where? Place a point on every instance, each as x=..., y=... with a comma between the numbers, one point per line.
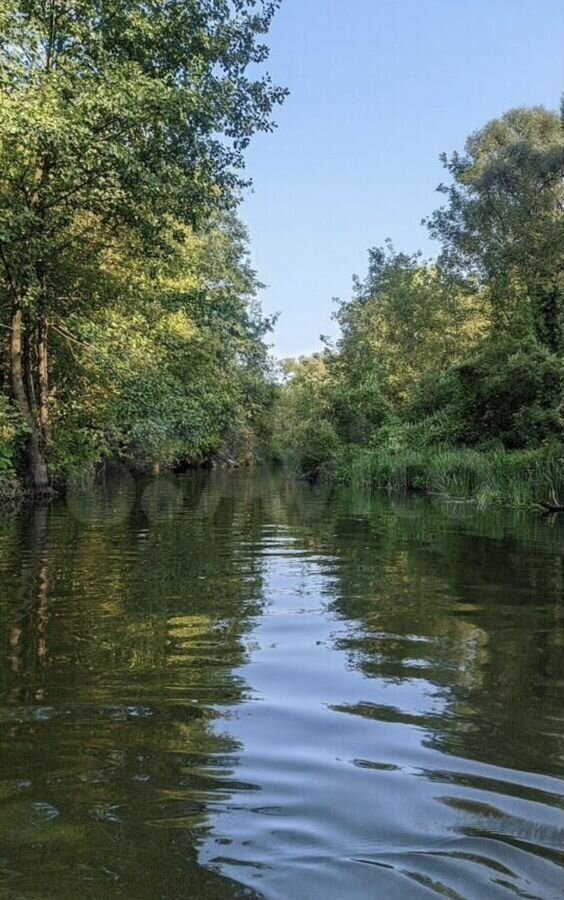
x=518, y=479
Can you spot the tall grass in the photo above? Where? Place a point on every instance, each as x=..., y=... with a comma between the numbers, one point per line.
x=490, y=477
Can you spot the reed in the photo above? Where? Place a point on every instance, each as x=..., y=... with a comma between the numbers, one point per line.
x=519, y=479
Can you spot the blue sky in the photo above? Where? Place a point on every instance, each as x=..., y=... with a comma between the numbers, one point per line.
x=379, y=88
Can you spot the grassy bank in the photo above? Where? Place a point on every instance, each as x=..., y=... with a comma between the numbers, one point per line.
x=520, y=479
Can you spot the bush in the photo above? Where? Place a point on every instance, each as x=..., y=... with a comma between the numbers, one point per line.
x=511, y=390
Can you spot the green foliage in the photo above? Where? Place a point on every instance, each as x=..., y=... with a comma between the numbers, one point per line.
x=177, y=372
x=503, y=227
x=305, y=432
x=511, y=390
x=508, y=392
x=123, y=270
x=12, y=436
x=442, y=368
x=407, y=319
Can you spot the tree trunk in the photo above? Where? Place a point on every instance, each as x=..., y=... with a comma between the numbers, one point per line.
x=43, y=369
x=37, y=464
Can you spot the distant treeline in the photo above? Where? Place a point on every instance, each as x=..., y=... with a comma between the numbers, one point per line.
x=130, y=328
x=448, y=375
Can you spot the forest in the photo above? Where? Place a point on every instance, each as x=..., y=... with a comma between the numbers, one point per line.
x=448, y=375
x=129, y=312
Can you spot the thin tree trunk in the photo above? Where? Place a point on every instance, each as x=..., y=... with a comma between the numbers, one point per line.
x=43, y=368
x=36, y=458
x=29, y=370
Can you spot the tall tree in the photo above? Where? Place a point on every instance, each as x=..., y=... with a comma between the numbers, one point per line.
x=116, y=116
x=503, y=223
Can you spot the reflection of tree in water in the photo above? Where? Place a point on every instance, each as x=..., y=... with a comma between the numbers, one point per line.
x=27, y=632
x=122, y=636
x=126, y=615
x=467, y=605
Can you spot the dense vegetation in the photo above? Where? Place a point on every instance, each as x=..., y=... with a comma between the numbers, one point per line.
x=128, y=308
x=127, y=303
x=449, y=375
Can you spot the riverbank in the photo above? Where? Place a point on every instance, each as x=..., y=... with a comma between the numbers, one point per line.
x=514, y=479
x=519, y=479
x=13, y=491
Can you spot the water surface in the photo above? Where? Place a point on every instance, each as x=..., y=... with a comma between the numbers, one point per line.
x=232, y=685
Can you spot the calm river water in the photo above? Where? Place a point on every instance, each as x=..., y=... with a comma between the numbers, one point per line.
x=233, y=685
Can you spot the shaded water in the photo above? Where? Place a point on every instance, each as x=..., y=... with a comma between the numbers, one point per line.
x=236, y=686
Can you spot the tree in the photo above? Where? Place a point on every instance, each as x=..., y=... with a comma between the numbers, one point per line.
x=503, y=224
x=117, y=117
x=305, y=428
x=172, y=366
x=407, y=319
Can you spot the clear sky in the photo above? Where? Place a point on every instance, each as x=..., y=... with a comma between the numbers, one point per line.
x=378, y=89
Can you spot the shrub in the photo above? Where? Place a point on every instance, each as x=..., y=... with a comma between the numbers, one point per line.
x=510, y=390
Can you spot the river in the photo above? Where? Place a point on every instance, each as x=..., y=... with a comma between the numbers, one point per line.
x=232, y=685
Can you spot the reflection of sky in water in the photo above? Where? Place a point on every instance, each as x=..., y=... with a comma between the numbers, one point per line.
x=344, y=782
